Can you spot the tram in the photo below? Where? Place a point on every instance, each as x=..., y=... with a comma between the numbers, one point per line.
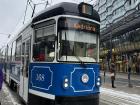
x=54, y=59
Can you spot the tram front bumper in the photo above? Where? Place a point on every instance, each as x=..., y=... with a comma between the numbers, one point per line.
x=81, y=100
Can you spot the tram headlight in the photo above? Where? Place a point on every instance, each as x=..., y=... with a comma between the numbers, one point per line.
x=66, y=80
x=66, y=83
x=98, y=79
x=98, y=82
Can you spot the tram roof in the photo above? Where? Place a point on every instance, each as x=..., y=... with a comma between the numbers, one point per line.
x=63, y=8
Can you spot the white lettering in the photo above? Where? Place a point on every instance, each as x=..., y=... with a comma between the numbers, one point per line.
x=40, y=77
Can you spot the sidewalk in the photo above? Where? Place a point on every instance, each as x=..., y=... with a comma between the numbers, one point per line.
x=122, y=75
x=121, y=83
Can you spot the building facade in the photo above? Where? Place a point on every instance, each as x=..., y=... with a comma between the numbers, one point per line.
x=120, y=33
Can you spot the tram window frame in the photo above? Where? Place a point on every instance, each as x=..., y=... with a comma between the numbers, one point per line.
x=46, y=39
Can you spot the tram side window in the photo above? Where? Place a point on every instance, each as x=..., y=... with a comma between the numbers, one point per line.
x=2, y=56
x=13, y=50
x=27, y=53
x=44, y=46
x=18, y=50
x=9, y=52
x=6, y=53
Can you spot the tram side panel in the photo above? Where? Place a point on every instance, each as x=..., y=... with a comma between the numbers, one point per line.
x=54, y=81
x=15, y=75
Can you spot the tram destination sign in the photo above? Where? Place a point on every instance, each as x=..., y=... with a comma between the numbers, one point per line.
x=78, y=24
x=82, y=26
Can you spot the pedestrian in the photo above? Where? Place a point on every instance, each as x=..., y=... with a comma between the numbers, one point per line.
x=112, y=73
x=1, y=81
x=129, y=72
x=139, y=63
x=129, y=79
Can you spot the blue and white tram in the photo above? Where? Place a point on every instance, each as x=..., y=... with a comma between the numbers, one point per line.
x=56, y=57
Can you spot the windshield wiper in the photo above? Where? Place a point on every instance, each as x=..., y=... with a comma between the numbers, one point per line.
x=82, y=63
x=78, y=58
x=66, y=47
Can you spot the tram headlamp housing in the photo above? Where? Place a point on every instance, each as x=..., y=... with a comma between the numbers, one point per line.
x=66, y=83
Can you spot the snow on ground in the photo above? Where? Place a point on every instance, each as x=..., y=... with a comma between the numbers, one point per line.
x=7, y=97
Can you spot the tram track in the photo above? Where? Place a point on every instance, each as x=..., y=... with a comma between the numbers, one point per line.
x=113, y=97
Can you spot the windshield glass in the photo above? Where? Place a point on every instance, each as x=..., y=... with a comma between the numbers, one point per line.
x=77, y=40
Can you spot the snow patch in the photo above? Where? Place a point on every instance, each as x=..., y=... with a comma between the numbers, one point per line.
x=9, y=95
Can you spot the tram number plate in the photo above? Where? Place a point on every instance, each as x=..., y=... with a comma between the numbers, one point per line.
x=40, y=77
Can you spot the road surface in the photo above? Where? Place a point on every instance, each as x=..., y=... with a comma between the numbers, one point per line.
x=107, y=97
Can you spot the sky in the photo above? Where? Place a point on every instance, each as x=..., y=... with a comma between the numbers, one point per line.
x=12, y=14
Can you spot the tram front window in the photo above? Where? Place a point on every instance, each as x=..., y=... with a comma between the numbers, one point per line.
x=44, y=50
x=44, y=46
x=77, y=45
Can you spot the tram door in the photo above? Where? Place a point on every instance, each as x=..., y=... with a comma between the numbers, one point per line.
x=26, y=48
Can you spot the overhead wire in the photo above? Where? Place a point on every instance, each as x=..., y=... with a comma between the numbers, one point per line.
x=33, y=7
x=25, y=11
x=30, y=5
x=31, y=1
x=5, y=34
x=19, y=20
